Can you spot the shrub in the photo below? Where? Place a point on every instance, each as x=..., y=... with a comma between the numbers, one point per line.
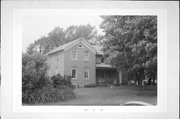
x=48, y=94
x=36, y=85
x=90, y=85
x=34, y=70
x=62, y=82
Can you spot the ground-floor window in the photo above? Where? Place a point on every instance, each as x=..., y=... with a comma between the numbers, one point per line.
x=86, y=73
x=74, y=73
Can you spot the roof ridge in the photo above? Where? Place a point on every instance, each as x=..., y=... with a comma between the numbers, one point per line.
x=95, y=48
x=68, y=44
x=61, y=47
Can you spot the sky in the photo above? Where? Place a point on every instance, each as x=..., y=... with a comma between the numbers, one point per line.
x=36, y=26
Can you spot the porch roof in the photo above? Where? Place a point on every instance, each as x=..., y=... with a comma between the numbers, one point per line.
x=103, y=65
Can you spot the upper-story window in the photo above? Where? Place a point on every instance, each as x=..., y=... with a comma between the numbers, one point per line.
x=74, y=55
x=86, y=56
x=80, y=46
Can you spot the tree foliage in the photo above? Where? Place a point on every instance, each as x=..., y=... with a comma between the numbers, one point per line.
x=34, y=70
x=59, y=36
x=134, y=40
x=37, y=87
x=87, y=32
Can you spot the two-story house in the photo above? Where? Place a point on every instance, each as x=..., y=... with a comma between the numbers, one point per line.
x=83, y=62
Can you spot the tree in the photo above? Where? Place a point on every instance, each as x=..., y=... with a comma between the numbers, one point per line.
x=55, y=38
x=31, y=49
x=134, y=40
x=58, y=36
x=87, y=32
x=37, y=87
x=34, y=71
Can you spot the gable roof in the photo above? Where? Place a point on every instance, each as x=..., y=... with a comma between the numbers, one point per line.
x=70, y=45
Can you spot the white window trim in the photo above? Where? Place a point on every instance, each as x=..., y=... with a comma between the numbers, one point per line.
x=87, y=71
x=76, y=73
x=87, y=56
x=71, y=55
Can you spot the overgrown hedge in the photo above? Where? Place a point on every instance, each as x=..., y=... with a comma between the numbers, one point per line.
x=37, y=87
x=48, y=94
x=58, y=89
x=62, y=82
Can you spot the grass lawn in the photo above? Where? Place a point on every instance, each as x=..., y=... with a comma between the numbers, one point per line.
x=110, y=96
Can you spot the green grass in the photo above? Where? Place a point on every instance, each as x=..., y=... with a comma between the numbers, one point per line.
x=110, y=96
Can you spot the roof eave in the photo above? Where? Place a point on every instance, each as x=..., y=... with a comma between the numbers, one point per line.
x=55, y=52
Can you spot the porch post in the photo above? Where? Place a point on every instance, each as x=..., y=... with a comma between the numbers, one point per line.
x=120, y=77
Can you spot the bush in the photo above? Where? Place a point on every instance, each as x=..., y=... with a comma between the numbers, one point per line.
x=48, y=94
x=36, y=85
x=90, y=86
x=34, y=70
x=62, y=82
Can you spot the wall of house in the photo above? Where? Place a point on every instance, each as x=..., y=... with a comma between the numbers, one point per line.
x=80, y=65
x=56, y=64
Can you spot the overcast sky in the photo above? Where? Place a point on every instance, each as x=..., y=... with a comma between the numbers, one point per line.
x=36, y=26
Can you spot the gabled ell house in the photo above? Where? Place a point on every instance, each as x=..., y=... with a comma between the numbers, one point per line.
x=83, y=62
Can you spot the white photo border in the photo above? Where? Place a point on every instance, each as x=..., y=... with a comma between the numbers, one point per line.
x=168, y=87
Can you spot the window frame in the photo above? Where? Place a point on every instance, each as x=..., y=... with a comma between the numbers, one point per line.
x=87, y=72
x=72, y=55
x=85, y=56
x=75, y=74
x=102, y=60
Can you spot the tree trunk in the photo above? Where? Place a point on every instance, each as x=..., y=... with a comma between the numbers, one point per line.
x=153, y=80
x=134, y=78
x=120, y=77
x=141, y=77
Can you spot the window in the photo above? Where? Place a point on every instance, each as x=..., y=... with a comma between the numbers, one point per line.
x=86, y=73
x=74, y=73
x=56, y=59
x=102, y=60
x=86, y=56
x=80, y=46
x=74, y=55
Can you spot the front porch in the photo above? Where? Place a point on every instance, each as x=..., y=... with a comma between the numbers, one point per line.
x=106, y=74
